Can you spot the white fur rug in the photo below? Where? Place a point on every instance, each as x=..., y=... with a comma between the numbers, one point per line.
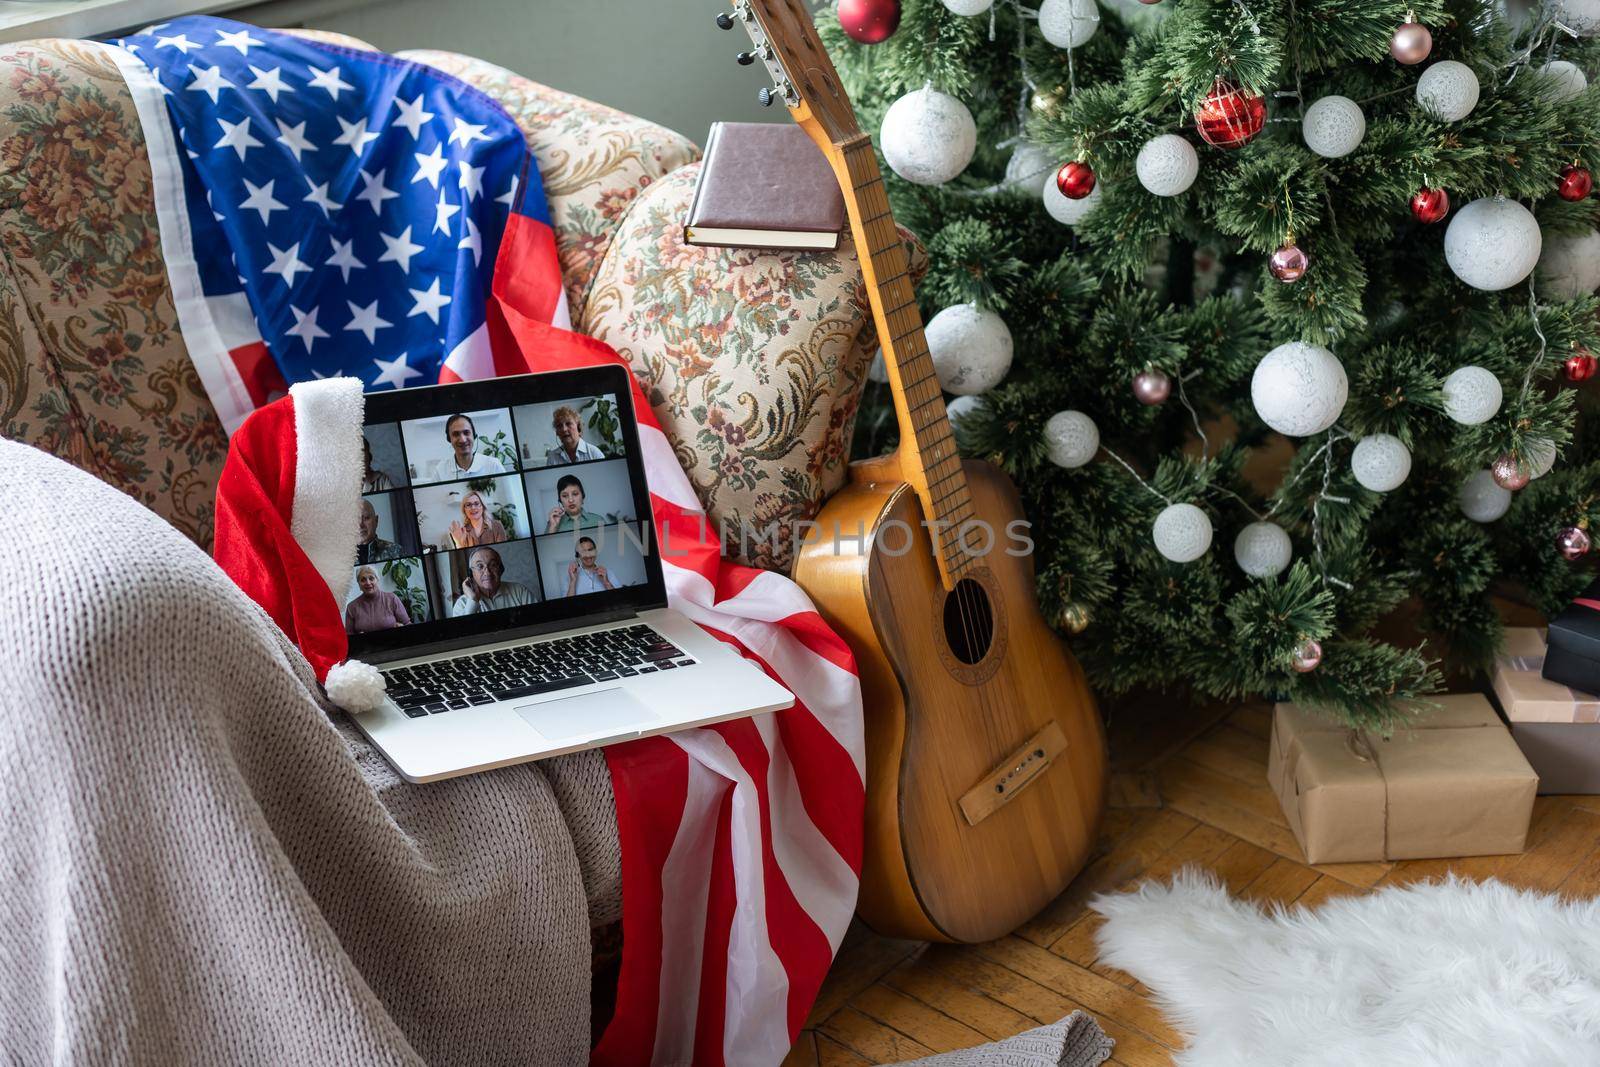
x=1452, y=973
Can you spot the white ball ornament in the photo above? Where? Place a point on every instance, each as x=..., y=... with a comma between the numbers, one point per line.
x=1493, y=243
x=1167, y=165
x=1567, y=80
x=1262, y=549
x=1299, y=389
x=1067, y=211
x=928, y=137
x=968, y=7
x=1581, y=16
x=1539, y=453
x=1471, y=395
x=1448, y=90
x=1182, y=533
x=1333, y=126
x=971, y=349
x=1068, y=23
x=1569, y=267
x=1072, y=438
x=1481, y=499
x=1032, y=168
x=1380, y=462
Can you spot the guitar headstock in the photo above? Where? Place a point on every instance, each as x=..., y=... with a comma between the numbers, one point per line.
x=784, y=37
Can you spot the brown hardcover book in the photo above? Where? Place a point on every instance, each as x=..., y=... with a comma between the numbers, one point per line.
x=764, y=185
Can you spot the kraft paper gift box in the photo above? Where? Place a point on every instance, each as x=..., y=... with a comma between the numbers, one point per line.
x=1557, y=728
x=1450, y=783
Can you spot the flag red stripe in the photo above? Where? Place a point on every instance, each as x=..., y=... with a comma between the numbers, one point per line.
x=720, y=905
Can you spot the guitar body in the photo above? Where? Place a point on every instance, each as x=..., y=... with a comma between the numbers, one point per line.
x=1008, y=720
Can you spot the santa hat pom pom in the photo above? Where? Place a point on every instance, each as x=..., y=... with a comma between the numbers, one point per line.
x=355, y=686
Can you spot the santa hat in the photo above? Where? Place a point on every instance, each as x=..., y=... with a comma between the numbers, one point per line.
x=288, y=513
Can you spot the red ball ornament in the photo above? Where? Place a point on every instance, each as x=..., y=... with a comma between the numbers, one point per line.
x=1573, y=543
x=1075, y=180
x=1580, y=366
x=1430, y=205
x=1288, y=263
x=1574, y=184
x=869, y=21
x=1229, y=116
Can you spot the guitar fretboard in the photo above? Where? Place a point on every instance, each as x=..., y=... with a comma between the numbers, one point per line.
x=929, y=460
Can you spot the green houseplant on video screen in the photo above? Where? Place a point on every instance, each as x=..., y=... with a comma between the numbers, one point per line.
x=602, y=425
x=399, y=572
x=498, y=447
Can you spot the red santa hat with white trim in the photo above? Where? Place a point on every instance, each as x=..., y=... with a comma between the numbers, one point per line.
x=287, y=524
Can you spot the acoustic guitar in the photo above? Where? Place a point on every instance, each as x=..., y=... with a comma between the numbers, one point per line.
x=986, y=764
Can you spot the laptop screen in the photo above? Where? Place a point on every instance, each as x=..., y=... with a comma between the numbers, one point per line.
x=499, y=507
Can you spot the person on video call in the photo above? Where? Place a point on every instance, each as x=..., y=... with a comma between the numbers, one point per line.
x=465, y=460
x=569, y=431
x=569, y=514
x=371, y=548
x=373, y=608
x=476, y=526
x=372, y=480
x=585, y=574
x=483, y=590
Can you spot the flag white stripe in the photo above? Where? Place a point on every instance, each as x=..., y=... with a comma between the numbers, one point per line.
x=685, y=888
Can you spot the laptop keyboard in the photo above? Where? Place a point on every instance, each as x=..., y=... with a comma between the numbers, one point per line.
x=528, y=670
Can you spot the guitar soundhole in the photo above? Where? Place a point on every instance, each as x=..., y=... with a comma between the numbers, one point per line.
x=968, y=621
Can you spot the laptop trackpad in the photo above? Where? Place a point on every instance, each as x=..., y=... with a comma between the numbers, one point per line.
x=612, y=710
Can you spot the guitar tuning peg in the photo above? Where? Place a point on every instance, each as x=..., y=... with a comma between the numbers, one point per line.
x=767, y=96
x=725, y=21
x=745, y=58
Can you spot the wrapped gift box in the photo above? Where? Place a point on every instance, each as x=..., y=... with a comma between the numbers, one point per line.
x=1557, y=728
x=1452, y=783
x=1573, y=657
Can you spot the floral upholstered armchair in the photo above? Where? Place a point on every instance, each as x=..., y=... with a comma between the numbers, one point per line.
x=754, y=362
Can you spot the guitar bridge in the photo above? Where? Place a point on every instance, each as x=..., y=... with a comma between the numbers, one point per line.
x=1014, y=774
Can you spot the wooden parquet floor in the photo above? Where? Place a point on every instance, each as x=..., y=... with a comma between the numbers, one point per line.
x=1203, y=802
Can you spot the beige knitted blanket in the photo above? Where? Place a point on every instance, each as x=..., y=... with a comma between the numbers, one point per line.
x=198, y=865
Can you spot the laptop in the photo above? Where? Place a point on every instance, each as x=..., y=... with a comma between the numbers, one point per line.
x=508, y=581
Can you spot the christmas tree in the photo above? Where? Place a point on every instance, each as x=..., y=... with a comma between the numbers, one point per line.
x=1276, y=311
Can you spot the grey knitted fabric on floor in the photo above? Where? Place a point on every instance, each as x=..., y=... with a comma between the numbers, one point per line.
x=1076, y=1041
x=200, y=866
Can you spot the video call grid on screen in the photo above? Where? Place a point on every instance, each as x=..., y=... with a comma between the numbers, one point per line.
x=544, y=502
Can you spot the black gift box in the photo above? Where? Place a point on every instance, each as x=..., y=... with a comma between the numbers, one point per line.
x=1573, y=655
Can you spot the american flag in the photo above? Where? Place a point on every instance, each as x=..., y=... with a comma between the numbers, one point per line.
x=741, y=842
x=329, y=210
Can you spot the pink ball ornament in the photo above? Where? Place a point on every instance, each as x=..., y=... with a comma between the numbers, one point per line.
x=1152, y=387
x=1572, y=543
x=869, y=21
x=1288, y=263
x=1510, y=472
x=1411, y=43
x=1308, y=657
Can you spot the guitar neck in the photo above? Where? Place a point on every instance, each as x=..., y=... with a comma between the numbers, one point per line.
x=927, y=454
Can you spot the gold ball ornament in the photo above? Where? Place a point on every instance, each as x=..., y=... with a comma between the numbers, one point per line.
x=1075, y=619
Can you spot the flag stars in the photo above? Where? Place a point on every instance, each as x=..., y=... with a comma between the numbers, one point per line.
x=287, y=262
x=181, y=42
x=374, y=192
x=355, y=135
x=294, y=138
x=466, y=132
x=236, y=135
x=367, y=320
x=328, y=79
x=444, y=211
x=399, y=249
x=345, y=258
x=412, y=116
x=209, y=81
x=428, y=301
x=395, y=372
x=319, y=196
x=471, y=181
x=270, y=81
x=305, y=327
x=261, y=199
x=240, y=39
x=473, y=241
x=509, y=197
x=429, y=166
